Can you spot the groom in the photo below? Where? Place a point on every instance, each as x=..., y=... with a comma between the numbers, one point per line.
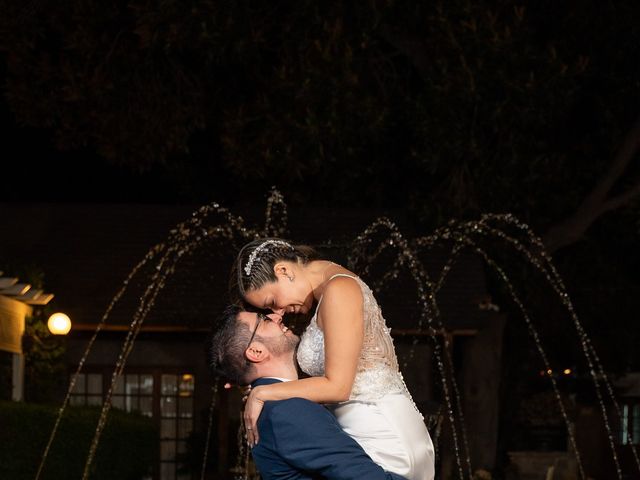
x=299, y=439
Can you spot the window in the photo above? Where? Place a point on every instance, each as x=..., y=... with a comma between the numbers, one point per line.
x=176, y=423
x=629, y=431
x=87, y=390
x=134, y=393
x=164, y=396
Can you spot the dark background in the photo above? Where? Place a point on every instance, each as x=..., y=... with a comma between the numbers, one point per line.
x=446, y=109
x=442, y=110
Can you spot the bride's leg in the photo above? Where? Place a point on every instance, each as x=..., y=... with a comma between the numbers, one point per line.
x=412, y=432
x=392, y=433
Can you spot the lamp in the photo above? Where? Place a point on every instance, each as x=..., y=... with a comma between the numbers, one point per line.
x=59, y=324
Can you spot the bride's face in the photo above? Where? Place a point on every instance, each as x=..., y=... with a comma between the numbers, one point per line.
x=282, y=296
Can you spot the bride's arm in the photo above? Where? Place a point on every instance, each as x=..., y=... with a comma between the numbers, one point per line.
x=341, y=314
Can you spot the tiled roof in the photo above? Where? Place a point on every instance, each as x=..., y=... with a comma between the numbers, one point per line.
x=87, y=250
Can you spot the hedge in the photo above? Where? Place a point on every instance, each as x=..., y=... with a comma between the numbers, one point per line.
x=126, y=450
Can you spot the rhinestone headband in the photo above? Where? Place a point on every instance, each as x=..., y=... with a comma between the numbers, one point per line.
x=263, y=246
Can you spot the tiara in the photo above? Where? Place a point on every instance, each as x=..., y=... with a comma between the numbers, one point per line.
x=254, y=255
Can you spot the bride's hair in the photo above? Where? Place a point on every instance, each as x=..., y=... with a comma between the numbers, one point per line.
x=253, y=267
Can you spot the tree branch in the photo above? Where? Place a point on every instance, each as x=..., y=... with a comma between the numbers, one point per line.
x=596, y=203
x=622, y=199
x=630, y=146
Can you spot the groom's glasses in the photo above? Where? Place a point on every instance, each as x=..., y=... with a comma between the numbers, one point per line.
x=261, y=316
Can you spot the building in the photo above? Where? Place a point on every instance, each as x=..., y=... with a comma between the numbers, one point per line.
x=17, y=301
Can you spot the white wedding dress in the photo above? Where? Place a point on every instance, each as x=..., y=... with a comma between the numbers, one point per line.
x=380, y=413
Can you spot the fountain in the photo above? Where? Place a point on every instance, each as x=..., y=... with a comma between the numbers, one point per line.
x=213, y=223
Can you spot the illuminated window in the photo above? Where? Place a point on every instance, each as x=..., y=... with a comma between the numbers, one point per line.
x=629, y=431
x=134, y=393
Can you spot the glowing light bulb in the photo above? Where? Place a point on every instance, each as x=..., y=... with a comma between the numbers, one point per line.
x=59, y=324
x=567, y=371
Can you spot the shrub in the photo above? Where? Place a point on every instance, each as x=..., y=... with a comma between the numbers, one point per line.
x=126, y=449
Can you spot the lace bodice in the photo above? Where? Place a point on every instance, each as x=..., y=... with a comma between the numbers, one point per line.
x=377, y=373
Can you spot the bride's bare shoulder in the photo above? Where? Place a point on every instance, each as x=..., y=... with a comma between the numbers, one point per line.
x=342, y=288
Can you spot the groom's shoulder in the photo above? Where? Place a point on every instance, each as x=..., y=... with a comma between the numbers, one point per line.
x=291, y=419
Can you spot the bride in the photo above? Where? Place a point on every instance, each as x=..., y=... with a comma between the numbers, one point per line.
x=346, y=349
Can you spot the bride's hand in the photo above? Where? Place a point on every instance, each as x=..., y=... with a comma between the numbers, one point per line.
x=252, y=409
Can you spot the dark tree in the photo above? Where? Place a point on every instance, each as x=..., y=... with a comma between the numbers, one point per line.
x=447, y=108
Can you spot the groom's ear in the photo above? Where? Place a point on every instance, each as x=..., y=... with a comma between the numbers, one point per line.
x=257, y=352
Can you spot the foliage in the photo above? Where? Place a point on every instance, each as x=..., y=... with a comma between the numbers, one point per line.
x=126, y=449
x=451, y=100
x=44, y=353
